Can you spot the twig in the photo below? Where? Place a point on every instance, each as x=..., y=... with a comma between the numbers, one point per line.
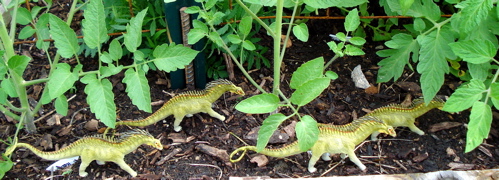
x=237, y=137
x=337, y=163
x=388, y=166
x=49, y=113
x=400, y=164
x=209, y=165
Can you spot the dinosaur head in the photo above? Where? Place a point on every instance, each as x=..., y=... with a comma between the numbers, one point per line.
x=155, y=143
x=237, y=90
x=389, y=130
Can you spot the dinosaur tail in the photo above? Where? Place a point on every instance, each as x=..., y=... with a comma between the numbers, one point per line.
x=11, y=148
x=285, y=151
x=54, y=155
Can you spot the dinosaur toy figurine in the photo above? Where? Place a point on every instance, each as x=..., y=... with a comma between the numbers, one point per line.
x=99, y=148
x=332, y=139
x=187, y=104
x=397, y=115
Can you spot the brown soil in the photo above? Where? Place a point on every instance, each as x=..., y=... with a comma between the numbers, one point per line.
x=339, y=104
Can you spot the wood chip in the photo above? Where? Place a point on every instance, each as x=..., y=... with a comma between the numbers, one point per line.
x=409, y=86
x=443, y=126
x=92, y=125
x=421, y=157
x=212, y=151
x=452, y=152
x=371, y=90
x=178, y=137
x=54, y=120
x=460, y=166
x=46, y=142
x=277, y=137
x=261, y=160
x=169, y=156
x=290, y=129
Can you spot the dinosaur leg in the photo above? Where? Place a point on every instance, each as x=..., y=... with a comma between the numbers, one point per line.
x=214, y=114
x=125, y=167
x=354, y=159
x=415, y=129
x=100, y=162
x=374, y=136
x=315, y=157
x=85, y=161
x=326, y=157
x=178, y=120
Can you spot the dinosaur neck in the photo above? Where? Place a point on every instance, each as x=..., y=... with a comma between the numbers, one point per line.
x=131, y=143
x=356, y=131
x=416, y=109
x=214, y=93
x=63, y=153
x=288, y=150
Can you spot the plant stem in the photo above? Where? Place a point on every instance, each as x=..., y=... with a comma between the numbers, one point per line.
x=277, y=46
x=331, y=61
x=8, y=113
x=255, y=17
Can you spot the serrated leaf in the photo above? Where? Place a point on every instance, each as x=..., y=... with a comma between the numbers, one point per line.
x=245, y=26
x=433, y=60
x=473, y=12
x=479, y=125
x=192, y=10
x=392, y=67
x=268, y=127
x=353, y=51
x=334, y=47
x=405, y=5
x=61, y=80
x=301, y=32
x=419, y=24
x=307, y=132
x=321, y=4
x=105, y=58
x=309, y=91
x=26, y=32
x=100, y=98
x=262, y=103
x=61, y=105
x=465, y=96
x=173, y=57
x=352, y=20
x=133, y=35
x=479, y=71
x=110, y=70
x=18, y=63
x=23, y=16
x=331, y=75
x=94, y=24
x=234, y=39
x=195, y=35
x=476, y=51
x=357, y=41
x=306, y=72
x=138, y=89
x=341, y=36
x=248, y=45
x=43, y=32
x=64, y=37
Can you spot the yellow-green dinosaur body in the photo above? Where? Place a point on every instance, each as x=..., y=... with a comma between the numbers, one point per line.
x=189, y=103
x=332, y=139
x=397, y=115
x=97, y=148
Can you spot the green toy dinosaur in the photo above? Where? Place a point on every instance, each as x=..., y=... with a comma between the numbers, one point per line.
x=332, y=139
x=397, y=115
x=99, y=148
x=187, y=104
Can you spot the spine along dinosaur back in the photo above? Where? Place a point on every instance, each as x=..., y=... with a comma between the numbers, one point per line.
x=397, y=115
x=99, y=148
x=332, y=139
x=187, y=104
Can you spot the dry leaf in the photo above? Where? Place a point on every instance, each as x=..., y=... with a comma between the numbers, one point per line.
x=92, y=125
x=290, y=129
x=371, y=90
x=289, y=44
x=409, y=86
x=260, y=160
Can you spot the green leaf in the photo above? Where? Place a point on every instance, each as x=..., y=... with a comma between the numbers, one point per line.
x=5, y=166
x=262, y=103
x=115, y=50
x=494, y=90
x=353, y=51
x=61, y=105
x=106, y=58
x=433, y=60
x=465, y=96
x=301, y=32
x=392, y=67
x=479, y=71
x=138, y=89
x=192, y=9
x=8, y=87
x=195, y=35
x=335, y=48
x=352, y=20
x=100, y=98
x=331, y=75
x=419, y=24
x=248, y=45
x=64, y=37
x=269, y=125
x=18, y=63
x=321, y=4
x=23, y=16
x=357, y=41
x=234, y=39
x=43, y=32
x=26, y=32
x=110, y=70
x=341, y=36
x=61, y=80
x=306, y=72
x=245, y=26
x=133, y=35
x=476, y=51
x=307, y=132
x=405, y=5
x=3, y=96
x=479, y=125
x=173, y=57
x=94, y=24
x=472, y=13
x=309, y=91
